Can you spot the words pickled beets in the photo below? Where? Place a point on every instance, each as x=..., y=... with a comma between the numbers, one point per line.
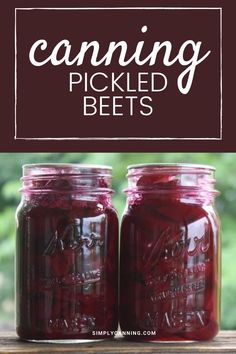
x=105, y=93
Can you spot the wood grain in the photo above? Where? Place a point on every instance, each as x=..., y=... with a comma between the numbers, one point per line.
x=225, y=342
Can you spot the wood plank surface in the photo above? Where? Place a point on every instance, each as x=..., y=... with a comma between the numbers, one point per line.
x=225, y=342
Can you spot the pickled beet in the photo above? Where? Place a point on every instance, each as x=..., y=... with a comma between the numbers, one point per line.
x=67, y=263
x=169, y=277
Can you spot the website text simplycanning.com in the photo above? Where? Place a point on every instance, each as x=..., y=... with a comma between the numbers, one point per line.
x=123, y=333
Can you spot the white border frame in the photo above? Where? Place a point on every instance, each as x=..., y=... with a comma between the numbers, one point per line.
x=123, y=8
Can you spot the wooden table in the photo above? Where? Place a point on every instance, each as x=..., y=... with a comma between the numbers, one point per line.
x=225, y=342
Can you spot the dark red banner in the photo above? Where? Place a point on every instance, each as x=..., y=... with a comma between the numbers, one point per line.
x=146, y=77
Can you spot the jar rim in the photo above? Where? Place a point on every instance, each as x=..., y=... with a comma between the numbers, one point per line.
x=44, y=169
x=181, y=166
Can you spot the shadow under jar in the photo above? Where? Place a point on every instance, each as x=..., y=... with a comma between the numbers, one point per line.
x=170, y=254
x=66, y=254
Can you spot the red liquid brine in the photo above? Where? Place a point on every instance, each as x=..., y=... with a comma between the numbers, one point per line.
x=66, y=259
x=170, y=254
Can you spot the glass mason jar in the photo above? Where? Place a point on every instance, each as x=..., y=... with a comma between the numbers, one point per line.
x=170, y=254
x=67, y=254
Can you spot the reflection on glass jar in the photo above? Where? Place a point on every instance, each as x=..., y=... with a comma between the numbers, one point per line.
x=66, y=260
x=170, y=265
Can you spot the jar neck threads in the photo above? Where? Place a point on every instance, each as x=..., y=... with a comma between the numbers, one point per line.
x=67, y=178
x=179, y=180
